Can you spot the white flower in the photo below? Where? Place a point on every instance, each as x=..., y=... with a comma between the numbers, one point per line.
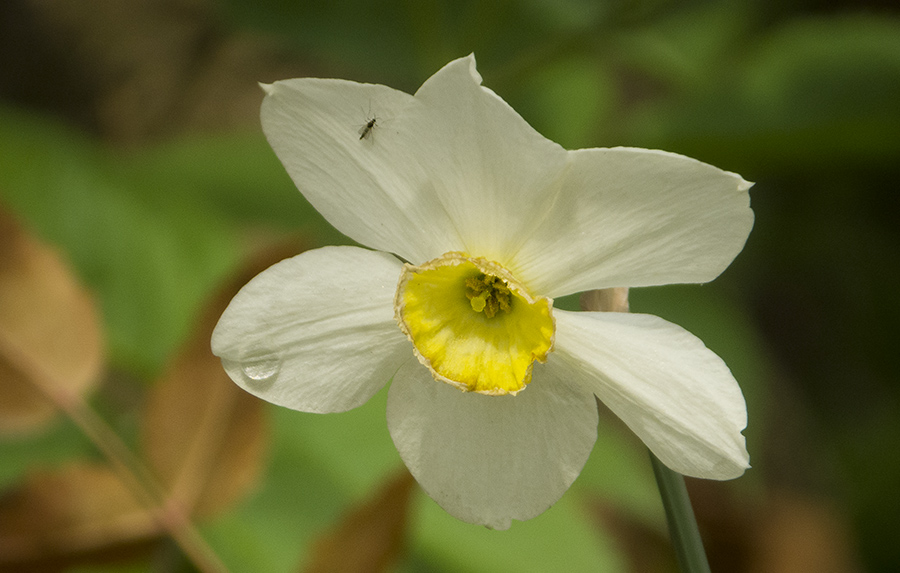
x=495, y=221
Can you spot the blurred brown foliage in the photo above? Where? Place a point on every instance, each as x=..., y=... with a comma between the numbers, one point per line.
x=371, y=536
x=203, y=438
x=50, y=337
x=136, y=70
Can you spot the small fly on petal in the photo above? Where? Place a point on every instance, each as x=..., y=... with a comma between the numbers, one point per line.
x=366, y=130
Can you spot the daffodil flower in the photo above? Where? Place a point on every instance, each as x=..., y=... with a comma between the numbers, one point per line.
x=477, y=223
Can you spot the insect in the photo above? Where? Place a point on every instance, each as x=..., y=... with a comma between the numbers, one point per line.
x=366, y=130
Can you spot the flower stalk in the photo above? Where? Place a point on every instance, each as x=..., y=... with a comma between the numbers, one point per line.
x=683, y=531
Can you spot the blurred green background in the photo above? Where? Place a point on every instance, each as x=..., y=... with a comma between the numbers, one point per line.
x=129, y=140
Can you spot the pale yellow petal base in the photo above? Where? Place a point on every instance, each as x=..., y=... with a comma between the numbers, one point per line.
x=473, y=324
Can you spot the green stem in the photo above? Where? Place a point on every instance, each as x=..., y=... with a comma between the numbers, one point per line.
x=680, y=517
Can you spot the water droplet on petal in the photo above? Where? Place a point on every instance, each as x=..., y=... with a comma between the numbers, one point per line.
x=261, y=370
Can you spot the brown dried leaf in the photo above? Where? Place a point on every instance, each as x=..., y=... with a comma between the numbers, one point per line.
x=203, y=436
x=82, y=512
x=49, y=330
x=368, y=539
x=802, y=535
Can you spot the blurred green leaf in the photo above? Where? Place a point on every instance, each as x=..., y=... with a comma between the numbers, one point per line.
x=569, y=99
x=619, y=473
x=686, y=51
x=61, y=442
x=811, y=95
x=150, y=256
x=561, y=539
x=339, y=32
x=237, y=177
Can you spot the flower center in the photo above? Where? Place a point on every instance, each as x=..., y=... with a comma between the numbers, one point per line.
x=473, y=324
x=488, y=294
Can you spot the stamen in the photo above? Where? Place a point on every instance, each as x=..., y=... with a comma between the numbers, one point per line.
x=488, y=294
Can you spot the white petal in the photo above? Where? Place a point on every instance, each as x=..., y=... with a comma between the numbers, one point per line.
x=491, y=170
x=375, y=190
x=453, y=168
x=673, y=392
x=316, y=332
x=635, y=217
x=490, y=459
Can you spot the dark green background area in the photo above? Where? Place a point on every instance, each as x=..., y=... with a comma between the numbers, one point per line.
x=137, y=151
